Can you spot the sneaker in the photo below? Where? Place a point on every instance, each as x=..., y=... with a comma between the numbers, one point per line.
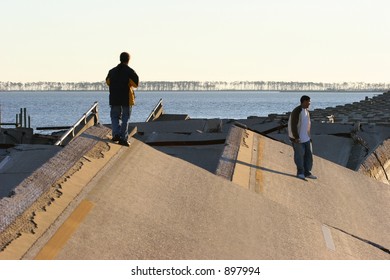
x=301, y=176
x=124, y=143
x=116, y=138
x=311, y=176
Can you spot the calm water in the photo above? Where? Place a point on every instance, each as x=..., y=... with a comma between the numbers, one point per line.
x=66, y=107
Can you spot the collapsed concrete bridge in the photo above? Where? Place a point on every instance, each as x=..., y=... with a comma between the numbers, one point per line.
x=200, y=189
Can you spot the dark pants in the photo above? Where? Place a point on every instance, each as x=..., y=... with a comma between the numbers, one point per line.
x=303, y=157
x=120, y=115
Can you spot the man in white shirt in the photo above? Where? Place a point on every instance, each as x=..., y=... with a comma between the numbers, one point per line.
x=299, y=132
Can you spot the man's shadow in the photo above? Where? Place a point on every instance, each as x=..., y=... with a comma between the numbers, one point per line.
x=258, y=167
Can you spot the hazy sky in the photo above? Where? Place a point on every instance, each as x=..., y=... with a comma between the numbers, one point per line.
x=213, y=40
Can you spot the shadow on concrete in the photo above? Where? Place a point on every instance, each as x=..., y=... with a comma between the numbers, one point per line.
x=257, y=167
x=96, y=138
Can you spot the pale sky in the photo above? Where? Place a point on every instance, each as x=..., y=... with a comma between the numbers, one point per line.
x=198, y=40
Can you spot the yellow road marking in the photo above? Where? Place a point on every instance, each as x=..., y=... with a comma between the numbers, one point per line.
x=242, y=169
x=58, y=240
x=259, y=172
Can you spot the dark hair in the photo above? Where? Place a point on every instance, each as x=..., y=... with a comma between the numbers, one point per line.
x=304, y=98
x=124, y=57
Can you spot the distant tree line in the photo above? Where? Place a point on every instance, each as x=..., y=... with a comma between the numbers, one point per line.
x=199, y=86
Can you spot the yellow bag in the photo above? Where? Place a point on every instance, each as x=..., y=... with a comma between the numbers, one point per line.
x=131, y=97
x=131, y=92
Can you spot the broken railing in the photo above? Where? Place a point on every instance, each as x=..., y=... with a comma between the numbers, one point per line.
x=90, y=118
x=156, y=112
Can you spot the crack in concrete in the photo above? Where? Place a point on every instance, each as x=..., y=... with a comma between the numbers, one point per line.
x=381, y=165
x=378, y=246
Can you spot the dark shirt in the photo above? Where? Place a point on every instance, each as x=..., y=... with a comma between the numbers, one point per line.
x=120, y=80
x=295, y=120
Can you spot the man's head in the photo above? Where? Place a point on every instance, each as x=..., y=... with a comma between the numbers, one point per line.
x=124, y=57
x=305, y=101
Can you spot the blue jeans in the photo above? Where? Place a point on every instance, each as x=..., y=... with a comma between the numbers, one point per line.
x=303, y=157
x=120, y=113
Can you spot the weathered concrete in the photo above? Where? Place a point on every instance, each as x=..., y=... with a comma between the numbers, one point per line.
x=198, y=141
x=342, y=199
x=371, y=110
x=20, y=135
x=144, y=204
x=345, y=134
x=204, y=156
x=377, y=164
x=19, y=162
x=43, y=178
x=139, y=203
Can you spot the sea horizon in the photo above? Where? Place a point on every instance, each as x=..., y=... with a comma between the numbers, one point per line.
x=63, y=108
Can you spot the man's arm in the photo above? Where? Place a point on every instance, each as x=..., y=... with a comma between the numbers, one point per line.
x=134, y=80
x=108, y=79
x=294, y=122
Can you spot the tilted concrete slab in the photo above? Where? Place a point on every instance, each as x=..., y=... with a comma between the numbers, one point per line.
x=147, y=205
x=139, y=203
x=161, y=139
x=204, y=156
x=186, y=126
x=333, y=148
x=21, y=161
x=344, y=200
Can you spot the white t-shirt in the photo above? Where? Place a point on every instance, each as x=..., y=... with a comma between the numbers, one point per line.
x=305, y=125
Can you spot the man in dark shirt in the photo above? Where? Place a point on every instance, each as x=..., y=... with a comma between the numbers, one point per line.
x=121, y=81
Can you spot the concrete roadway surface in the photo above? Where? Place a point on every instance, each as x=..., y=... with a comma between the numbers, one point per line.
x=139, y=203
